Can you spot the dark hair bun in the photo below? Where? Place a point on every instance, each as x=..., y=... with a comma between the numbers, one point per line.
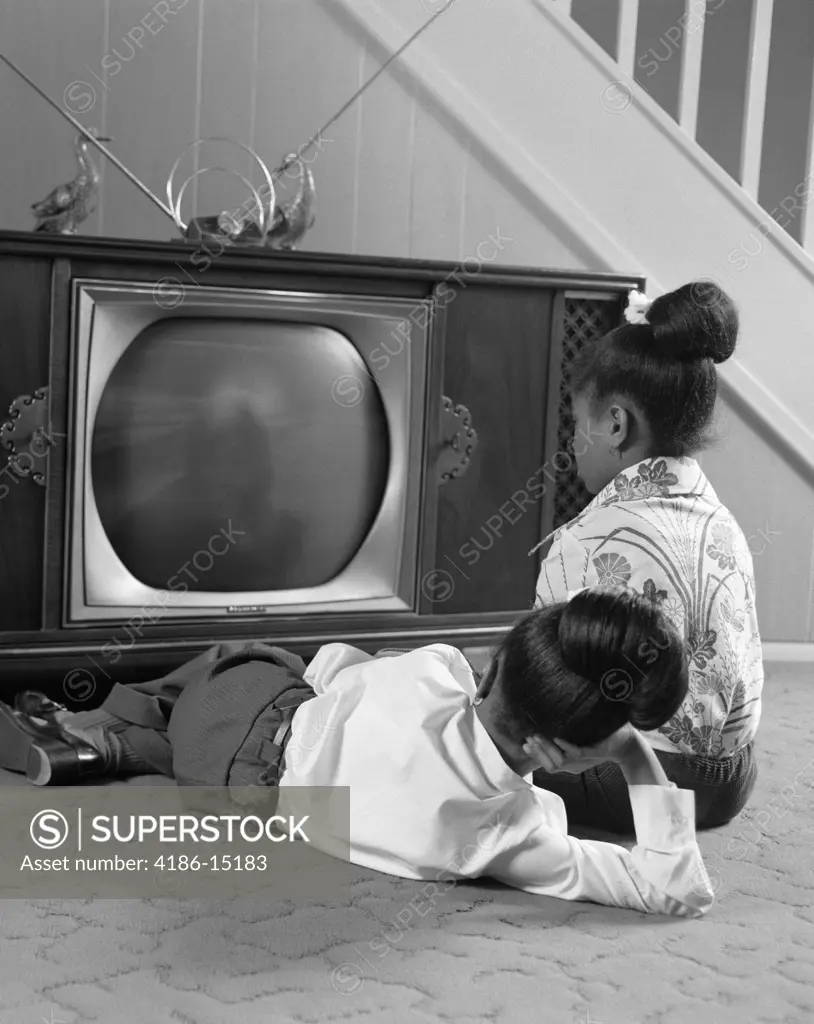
x=696, y=321
x=623, y=644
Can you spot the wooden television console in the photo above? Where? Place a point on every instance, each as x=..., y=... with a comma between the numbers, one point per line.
x=502, y=349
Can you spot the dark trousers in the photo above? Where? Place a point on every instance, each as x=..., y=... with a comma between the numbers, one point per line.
x=599, y=797
x=147, y=707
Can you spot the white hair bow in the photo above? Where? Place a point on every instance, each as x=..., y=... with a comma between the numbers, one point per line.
x=638, y=305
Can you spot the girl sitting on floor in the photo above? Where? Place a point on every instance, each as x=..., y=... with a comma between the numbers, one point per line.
x=643, y=401
x=439, y=771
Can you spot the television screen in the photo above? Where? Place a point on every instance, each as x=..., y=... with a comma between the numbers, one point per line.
x=200, y=425
x=256, y=431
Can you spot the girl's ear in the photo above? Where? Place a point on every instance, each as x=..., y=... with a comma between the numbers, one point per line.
x=487, y=679
x=620, y=425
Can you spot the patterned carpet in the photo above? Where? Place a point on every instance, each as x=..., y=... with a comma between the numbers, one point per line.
x=481, y=954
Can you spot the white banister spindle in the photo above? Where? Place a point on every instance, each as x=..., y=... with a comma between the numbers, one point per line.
x=807, y=200
x=691, y=52
x=626, y=28
x=754, y=111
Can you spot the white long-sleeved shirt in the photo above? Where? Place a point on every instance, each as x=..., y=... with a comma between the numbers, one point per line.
x=431, y=797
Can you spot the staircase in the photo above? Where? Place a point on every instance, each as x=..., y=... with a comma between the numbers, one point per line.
x=606, y=164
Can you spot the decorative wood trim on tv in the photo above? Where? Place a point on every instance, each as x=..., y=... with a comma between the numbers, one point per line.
x=425, y=628
x=432, y=440
x=303, y=626
x=24, y=339
x=112, y=250
x=64, y=671
x=58, y=457
x=553, y=412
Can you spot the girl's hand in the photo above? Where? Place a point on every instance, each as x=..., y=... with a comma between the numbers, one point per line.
x=562, y=756
x=615, y=748
x=556, y=756
x=545, y=753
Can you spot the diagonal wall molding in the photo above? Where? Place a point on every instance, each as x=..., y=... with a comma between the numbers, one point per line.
x=508, y=107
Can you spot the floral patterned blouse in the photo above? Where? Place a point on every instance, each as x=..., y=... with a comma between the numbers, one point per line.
x=660, y=529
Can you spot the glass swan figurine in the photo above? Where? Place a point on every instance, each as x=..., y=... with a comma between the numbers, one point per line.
x=67, y=206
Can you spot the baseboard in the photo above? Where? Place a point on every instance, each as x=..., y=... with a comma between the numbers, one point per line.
x=779, y=653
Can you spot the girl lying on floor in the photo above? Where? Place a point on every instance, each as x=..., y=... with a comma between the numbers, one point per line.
x=439, y=768
x=643, y=401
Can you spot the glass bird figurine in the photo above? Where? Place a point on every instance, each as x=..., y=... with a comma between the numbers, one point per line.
x=289, y=221
x=64, y=209
x=292, y=220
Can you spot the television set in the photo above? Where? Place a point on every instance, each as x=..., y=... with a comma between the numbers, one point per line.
x=243, y=452
x=287, y=447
